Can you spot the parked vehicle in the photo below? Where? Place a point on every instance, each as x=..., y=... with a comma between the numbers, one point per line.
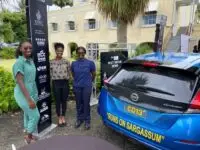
x=14, y=45
x=155, y=99
x=2, y=45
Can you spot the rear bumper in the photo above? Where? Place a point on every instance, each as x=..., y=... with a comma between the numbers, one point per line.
x=163, y=142
x=130, y=135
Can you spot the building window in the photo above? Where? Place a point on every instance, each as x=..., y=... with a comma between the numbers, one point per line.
x=149, y=18
x=54, y=26
x=71, y=25
x=112, y=24
x=92, y=51
x=92, y=23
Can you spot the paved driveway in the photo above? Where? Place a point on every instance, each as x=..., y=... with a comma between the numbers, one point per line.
x=11, y=130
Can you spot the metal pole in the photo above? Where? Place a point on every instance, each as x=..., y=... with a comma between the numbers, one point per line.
x=174, y=18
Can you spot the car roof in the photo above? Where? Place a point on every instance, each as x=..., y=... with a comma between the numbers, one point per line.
x=172, y=59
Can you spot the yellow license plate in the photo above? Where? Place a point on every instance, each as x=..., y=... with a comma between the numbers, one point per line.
x=135, y=111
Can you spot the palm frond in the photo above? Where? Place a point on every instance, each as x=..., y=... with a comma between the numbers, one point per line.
x=62, y=3
x=124, y=10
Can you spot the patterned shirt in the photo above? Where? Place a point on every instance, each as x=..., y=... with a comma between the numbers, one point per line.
x=60, y=69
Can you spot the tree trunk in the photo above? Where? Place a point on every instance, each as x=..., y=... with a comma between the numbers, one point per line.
x=122, y=32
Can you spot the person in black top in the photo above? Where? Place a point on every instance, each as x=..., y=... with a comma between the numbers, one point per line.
x=195, y=49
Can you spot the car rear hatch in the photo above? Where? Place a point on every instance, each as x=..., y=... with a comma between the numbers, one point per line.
x=151, y=93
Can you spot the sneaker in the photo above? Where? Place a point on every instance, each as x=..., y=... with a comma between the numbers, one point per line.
x=78, y=124
x=87, y=126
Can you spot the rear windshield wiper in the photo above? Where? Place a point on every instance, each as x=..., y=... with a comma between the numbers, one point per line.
x=154, y=90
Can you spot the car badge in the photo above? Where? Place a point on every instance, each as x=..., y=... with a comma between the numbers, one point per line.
x=134, y=97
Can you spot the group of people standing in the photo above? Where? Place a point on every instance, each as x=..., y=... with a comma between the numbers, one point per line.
x=81, y=72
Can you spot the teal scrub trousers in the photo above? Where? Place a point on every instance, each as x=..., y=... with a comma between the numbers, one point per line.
x=27, y=68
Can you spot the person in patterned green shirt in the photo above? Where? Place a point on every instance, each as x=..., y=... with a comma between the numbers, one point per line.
x=25, y=91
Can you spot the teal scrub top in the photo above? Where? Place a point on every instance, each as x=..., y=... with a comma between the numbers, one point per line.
x=27, y=68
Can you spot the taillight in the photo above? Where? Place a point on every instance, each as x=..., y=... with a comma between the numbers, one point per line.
x=150, y=64
x=195, y=104
x=105, y=81
x=189, y=142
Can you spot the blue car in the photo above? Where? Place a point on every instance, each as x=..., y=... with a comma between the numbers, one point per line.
x=155, y=99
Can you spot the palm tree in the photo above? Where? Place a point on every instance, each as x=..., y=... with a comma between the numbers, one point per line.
x=122, y=11
x=62, y=3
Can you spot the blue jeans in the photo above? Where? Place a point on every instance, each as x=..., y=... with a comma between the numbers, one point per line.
x=82, y=96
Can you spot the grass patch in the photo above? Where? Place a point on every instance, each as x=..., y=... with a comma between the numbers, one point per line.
x=7, y=64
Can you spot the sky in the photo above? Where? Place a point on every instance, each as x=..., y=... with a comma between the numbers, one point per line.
x=12, y=4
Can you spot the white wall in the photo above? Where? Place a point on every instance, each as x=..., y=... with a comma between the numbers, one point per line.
x=184, y=16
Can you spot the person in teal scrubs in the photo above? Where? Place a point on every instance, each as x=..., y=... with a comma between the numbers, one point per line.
x=25, y=91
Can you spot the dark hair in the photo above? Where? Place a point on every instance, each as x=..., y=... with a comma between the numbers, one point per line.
x=18, y=52
x=81, y=47
x=195, y=47
x=58, y=45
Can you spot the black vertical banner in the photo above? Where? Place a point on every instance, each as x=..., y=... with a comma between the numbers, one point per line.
x=161, y=35
x=157, y=33
x=160, y=26
x=38, y=33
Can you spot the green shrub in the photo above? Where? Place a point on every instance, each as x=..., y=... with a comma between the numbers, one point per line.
x=98, y=81
x=113, y=45
x=73, y=46
x=7, y=53
x=74, y=55
x=143, y=49
x=150, y=44
x=7, y=100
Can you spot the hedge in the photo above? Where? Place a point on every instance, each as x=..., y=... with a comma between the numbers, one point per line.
x=7, y=53
x=7, y=100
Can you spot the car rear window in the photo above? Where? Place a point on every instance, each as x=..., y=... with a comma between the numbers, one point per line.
x=161, y=80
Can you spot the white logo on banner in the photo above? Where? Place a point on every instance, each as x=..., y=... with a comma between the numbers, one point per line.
x=43, y=94
x=43, y=1
x=38, y=15
x=42, y=78
x=40, y=41
x=38, y=21
x=44, y=107
x=42, y=68
x=41, y=56
x=44, y=118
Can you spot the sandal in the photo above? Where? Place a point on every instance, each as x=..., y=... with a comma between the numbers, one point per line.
x=27, y=140
x=34, y=138
x=63, y=121
x=60, y=124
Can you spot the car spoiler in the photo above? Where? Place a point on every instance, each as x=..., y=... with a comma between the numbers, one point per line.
x=150, y=63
